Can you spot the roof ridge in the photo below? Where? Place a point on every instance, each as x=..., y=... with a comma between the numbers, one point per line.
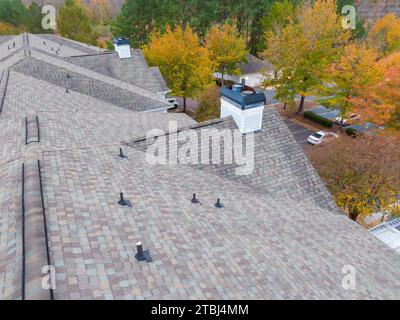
x=99, y=77
x=4, y=79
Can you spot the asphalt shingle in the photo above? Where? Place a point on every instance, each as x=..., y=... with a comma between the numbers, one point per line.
x=275, y=237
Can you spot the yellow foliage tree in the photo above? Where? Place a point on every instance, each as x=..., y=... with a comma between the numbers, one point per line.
x=184, y=63
x=8, y=29
x=352, y=81
x=305, y=48
x=385, y=34
x=227, y=48
x=363, y=173
x=99, y=11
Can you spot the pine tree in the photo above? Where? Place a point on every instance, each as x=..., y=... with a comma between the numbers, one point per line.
x=73, y=22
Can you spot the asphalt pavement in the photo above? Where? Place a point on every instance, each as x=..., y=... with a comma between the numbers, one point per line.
x=299, y=132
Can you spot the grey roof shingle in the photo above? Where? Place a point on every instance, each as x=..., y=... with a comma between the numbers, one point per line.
x=275, y=238
x=255, y=65
x=257, y=247
x=134, y=70
x=280, y=166
x=51, y=63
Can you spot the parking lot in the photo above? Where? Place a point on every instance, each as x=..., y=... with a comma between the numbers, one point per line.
x=299, y=132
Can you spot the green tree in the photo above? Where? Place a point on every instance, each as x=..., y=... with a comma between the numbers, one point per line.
x=306, y=47
x=139, y=18
x=34, y=18
x=279, y=15
x=226, y=48
x=185, y=64
x=73, y=22
x=12, y=12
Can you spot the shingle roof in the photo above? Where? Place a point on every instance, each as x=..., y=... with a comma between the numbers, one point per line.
x=257, y=247
x=134, y=70
x=255, y=65
x=128, y=83
x=275, y=238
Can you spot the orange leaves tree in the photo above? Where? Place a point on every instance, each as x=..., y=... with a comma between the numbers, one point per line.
x=363, y=173
x=185, y=64
x=227, y=48
x=350, y=83
x=366, y=77
x=385, y=34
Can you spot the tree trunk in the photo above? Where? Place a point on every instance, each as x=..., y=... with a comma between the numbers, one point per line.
x=353, y=214
x=301, y=105
x=222, y=78
x=184, y=104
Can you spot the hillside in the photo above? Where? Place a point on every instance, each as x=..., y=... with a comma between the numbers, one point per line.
x=372, y=10
x=114, y=4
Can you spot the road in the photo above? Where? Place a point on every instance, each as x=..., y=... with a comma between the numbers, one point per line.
x=299, y=132
x=270, y=94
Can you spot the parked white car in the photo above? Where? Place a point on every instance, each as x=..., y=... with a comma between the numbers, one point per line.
x=321, y=137
x=351, y=119
x=173, y=102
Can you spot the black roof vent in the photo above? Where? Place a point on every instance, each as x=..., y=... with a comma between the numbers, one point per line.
x=142, y=255
x=219, y=204
x=122, y=201
x=194, y=199
x=121, y=154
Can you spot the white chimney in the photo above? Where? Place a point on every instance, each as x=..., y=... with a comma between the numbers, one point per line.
x=122, y=47
x=245, y=105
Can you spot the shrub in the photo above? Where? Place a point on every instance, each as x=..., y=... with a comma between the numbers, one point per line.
x=316, y=118
x=352, y=132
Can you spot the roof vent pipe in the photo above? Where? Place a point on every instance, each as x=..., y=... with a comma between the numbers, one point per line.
x=219, y=204
x=194, y=199
x=121, y=154
x=122, y=201
x=142, y=255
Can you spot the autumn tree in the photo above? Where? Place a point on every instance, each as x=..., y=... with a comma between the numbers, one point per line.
x=73, y=22
x=305, y=47
x=227, y=49
x=184, y=63
x=8, y=29
x=385, y=34
x=350, y=82
x=100, y=11
x=209, y=104
x=362, y=173
x=385, y=108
